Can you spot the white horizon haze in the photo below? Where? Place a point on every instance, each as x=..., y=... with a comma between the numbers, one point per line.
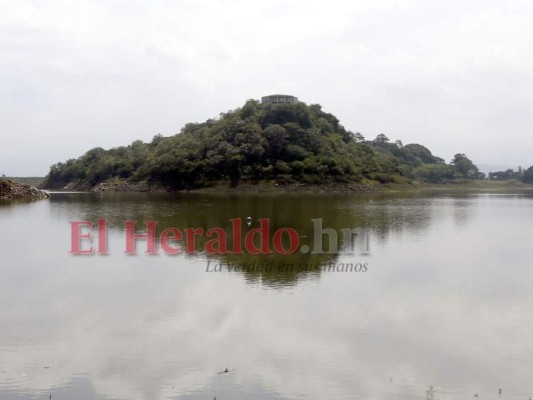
x=456, y=76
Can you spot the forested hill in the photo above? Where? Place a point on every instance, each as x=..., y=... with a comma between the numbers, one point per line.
x=276, y=143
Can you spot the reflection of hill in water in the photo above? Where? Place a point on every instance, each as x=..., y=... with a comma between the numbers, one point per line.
x=378, y=215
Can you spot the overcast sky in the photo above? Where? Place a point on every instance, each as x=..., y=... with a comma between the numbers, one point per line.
x=456, y=76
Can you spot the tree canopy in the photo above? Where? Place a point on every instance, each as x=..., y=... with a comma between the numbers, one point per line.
x=285, y=143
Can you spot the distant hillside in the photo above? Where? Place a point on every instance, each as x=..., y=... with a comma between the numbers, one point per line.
x=277, y=143
x=28, y=180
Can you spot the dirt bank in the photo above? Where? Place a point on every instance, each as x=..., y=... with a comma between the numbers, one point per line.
x=10, y=190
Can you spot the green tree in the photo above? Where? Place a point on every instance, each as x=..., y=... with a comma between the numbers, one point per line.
x=358, y=137
x=381, y=138
x=528, y=175
x=464, y=167
x=434, y=173
x=422, y=154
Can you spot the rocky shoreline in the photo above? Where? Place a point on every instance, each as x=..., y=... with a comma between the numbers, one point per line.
x=116, y=185
x=292, y=187
x=11, y=190
x=112, y=185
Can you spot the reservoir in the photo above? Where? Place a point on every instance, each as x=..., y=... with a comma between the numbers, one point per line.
x=438, y=299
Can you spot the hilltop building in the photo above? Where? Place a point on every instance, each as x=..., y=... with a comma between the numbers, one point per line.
x=279, y=99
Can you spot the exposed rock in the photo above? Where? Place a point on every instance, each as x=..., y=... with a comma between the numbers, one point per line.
x=115, y=185
x=77, y=186
x=10, y=190
x=124, y=185
x=111, y=185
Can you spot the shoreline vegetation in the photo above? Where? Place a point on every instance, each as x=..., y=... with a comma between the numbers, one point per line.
x=274, y=187
x=271, y=147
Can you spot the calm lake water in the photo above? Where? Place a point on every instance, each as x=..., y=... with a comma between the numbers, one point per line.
x=446, y=301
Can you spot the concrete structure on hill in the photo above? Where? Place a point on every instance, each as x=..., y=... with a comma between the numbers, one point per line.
x=279, y=99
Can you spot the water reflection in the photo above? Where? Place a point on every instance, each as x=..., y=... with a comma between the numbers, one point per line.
x=446, y=302
x=371, y=215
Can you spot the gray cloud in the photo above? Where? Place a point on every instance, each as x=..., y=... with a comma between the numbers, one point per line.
x=454, y=76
